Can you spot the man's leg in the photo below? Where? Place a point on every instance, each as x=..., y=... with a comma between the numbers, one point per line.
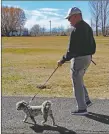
x=86, y=94
x=78, y=71
x=87, y=99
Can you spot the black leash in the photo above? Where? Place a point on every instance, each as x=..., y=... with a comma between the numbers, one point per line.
x=43, y=86
x=93, y=62
x=47, y=81
x=34, y=96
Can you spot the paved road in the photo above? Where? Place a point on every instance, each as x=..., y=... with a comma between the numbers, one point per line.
x=97, y=122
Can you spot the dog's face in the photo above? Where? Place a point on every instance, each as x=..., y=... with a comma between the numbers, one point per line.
x=47, y=104
x=21, y=105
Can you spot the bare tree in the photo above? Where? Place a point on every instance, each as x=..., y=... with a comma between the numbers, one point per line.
x=60, y=30
x=5, y=21
x=42, y=30
x=92, y=24
x=100, y=13
x=54, y=31
x=12, y=19
x=104, y=15
x=95, y=10
x=35, y=30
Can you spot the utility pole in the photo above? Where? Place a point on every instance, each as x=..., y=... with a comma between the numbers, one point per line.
x=50, y=27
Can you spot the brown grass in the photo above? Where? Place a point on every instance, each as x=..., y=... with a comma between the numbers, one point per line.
x=29, y=61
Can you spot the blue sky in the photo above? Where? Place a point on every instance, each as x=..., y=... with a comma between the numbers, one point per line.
x=41, y=12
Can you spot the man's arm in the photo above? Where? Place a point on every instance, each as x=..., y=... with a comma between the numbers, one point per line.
x=69, y=54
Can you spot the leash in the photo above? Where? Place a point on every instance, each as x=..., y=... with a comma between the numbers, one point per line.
x=43, y=86
x=47, y=81
x=34, y=96
x=93, y=62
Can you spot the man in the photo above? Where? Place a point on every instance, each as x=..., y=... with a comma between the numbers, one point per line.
x=81, y=48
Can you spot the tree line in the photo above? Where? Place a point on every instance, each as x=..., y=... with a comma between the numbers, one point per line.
x=13, y=20
x=100, y=16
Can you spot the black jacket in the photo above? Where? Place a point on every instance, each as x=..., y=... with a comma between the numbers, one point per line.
x=81, y=42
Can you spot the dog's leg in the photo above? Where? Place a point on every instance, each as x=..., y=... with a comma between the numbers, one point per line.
x=45, y=116
x=52, y=117
x=26, y=116
x=32, y=118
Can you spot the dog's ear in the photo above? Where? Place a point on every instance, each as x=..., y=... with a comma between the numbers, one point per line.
x=22, y=102
x=50, y=102
x=17, y=105
x=25, y=103
x=44, y=103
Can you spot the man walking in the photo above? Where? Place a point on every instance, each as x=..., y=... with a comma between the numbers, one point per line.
x=81, y=48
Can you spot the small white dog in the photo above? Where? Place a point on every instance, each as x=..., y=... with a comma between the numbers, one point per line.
x=32, y=111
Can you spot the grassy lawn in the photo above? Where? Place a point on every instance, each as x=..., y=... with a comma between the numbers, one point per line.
x=29, y=61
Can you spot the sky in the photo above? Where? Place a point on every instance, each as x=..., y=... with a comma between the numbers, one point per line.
x=42, y=12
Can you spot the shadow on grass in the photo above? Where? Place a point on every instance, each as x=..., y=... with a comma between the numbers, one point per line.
x=98, y=117
x=61, y=130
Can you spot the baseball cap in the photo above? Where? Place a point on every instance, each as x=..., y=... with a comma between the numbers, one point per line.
x=72, y=11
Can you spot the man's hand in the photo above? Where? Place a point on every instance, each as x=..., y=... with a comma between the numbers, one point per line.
x=59, y=63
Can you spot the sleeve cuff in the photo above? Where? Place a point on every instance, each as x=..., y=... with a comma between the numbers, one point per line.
x=63, y=60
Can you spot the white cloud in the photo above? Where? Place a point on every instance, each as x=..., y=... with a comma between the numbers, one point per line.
x=51, y=13
x=49, y=9
x=16, y=6
x=30, y=22
x=43, y=16
x=33, y=13
x=55, y=22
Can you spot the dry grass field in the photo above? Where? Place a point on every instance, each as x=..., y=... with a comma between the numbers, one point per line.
x=29, y=61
